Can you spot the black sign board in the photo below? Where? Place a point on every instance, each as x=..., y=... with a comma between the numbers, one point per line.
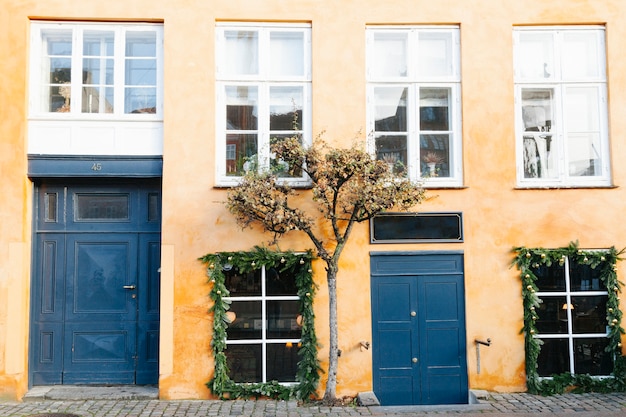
x=416, y=228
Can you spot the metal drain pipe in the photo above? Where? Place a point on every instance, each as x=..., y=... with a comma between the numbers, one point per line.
x=478, y=343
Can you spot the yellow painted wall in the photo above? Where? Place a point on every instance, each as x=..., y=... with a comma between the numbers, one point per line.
x=497, y=216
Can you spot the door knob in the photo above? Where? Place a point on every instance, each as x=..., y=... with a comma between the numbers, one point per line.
x=413, y=314
x=414, y=360
x=129, y=287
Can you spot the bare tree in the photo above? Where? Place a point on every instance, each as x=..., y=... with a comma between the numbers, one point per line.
x=348, y=185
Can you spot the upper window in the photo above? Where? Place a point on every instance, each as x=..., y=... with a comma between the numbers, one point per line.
x=561, y=107
x=263, y=95
x=414, y=112
x=97, y=70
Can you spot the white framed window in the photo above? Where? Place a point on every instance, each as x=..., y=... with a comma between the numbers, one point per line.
x=265, y=326
x=572, y=320
x=561, y=107
x=414, y=103
x=96, y=71
x=263, y=85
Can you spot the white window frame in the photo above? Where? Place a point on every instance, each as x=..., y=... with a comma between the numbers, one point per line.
x=78, y=28
x=554, y=80
x=414, y=82
x=570, y=335
x=263, y=81
x=264, y=340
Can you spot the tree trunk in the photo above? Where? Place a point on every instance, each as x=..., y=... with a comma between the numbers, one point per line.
x=333, y=357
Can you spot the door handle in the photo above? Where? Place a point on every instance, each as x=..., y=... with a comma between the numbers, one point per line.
x=129, y=287
x=414, y=360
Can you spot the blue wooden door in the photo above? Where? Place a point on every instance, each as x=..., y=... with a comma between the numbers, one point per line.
x=418, y=329
x=96, y=284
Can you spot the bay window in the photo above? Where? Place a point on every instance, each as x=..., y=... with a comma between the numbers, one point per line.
x=413, y=97
x=561, y=107
x=263, y=95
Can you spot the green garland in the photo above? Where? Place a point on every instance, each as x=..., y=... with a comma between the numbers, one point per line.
x=307, y=375
x=527, y=260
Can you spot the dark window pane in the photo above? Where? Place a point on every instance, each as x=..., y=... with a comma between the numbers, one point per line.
x=282, y=362
x=242, y=284
x=550, y=278
x=283, y=320
x=589, y=314
x=280, y=283
x=51, y=207
x=154, y=209
x=244, y=362
x=552, y=313
x=393, y=150
x=246, y=322
x=591, y=358
x=584, y=278
x=280, y=167
x=241, y=154
x=435, y=155
x=102, y=207
x=553, y=358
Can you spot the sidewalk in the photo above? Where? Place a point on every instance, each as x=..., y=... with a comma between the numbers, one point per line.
x=139, y=402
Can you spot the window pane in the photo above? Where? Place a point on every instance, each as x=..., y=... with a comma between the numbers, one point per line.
x=282, y=362
x=98, y=43
x=154, y=207
x=435, y=155
x=585, y=278
x=390, y=109
x=582, y=113
x=283, y=321
x=280, y=283
x=553, y=357
x=279, y=167
x=540, y=155
x=580, y=58
x=247, y=323
x=393, y=150
x=97, y=85
x=101, y=207
x=51, y=207
x=435, y=54
x=140, y=44
x=389, y=55
x=285, y=102
x=245, y=363
x=286, y=53
x=535, y=55
x=246, y=150
x=589, y=314
x=241, y=108
x=550, y=278
x=591, y=358
x=140, y=100
x=98, y=71
x=242, y=284
x=241, y=52
x=552, y=313
x=141, y=72
x=434, y=108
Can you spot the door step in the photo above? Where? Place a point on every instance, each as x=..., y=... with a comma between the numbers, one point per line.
x=92, y=392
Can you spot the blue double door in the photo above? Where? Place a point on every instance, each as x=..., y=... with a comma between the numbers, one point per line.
x=418, y=329
x=95, y=289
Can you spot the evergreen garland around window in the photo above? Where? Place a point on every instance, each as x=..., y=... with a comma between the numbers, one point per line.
x=307, y=375
x=529, y=259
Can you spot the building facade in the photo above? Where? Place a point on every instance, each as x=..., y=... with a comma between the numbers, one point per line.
x=124, y=124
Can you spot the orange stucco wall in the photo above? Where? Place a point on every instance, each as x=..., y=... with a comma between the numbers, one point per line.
x=497, y=216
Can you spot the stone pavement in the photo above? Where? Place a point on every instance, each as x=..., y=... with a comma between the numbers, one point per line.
x=128, y=402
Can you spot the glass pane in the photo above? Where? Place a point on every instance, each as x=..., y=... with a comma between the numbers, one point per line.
x=389, y=55
x=50, y=207
x=280, y=283
x=101, y=207
x=553, y=357
x=591, y=358
x=390, y=107
x=279, y=167
x=98, y=43
x=582, y=116
x=154, y=209
x=285, y=103
x=242, y=284
x=580, y=56
x=550, y=278
x=140, y=100
x=57, y=41
x=585, y=278
x=241, y=108
x=241, y=52
x=435, y=54
x=141, y=72
x=247, y=322
x=393, y=150
x=540, y=156
x=245, y=363
x=283, y=320
x=98, y=71
x=582, y=152
x=287, y=53
x=535, y=55
x=245, y=150
x=282, y=362
x=97, y=100
x=589, y=314
x=552, y=315
x=140, y=44
x=434, y=108
x=435, y=155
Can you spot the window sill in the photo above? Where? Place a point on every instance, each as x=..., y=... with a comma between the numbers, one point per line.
x=566, y=187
